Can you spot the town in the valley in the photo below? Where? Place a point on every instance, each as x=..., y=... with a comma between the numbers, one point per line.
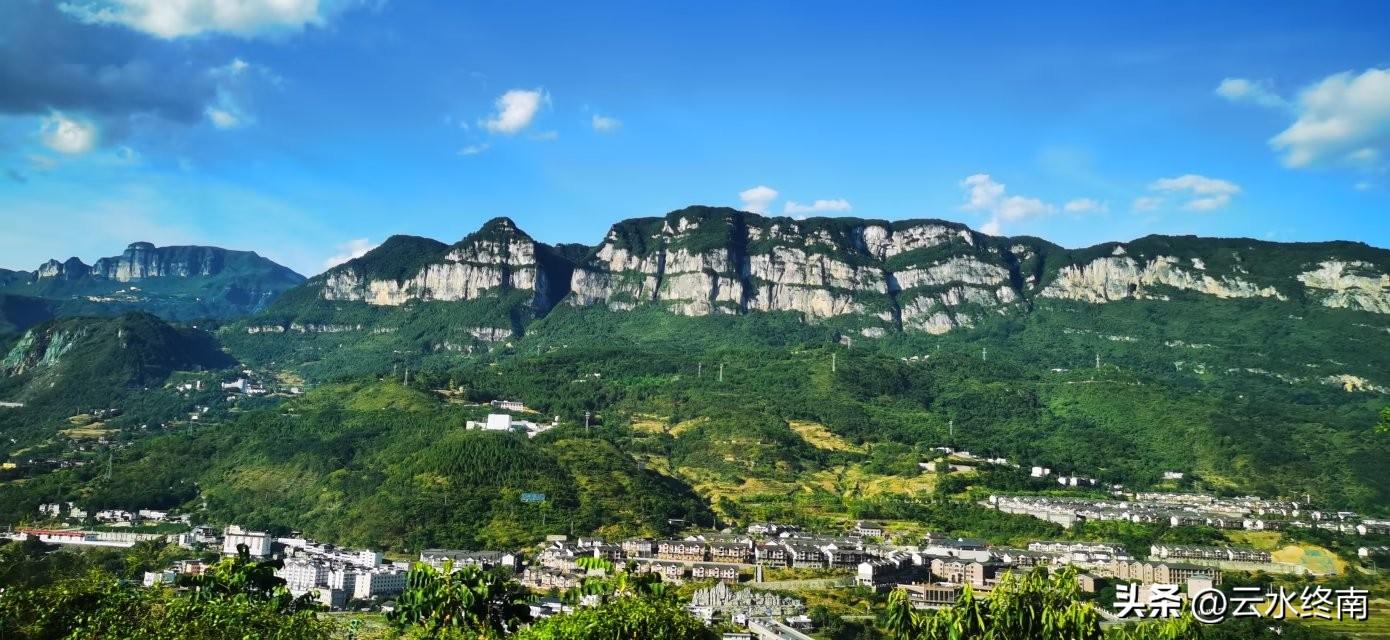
x=754, y=579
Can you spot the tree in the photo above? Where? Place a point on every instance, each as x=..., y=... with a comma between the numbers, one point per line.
x=1034, y=605
x=1030, y=606
x=100, y=605
x=630, y=618
x=463, y=600
x=610, y=582
x=241, y=577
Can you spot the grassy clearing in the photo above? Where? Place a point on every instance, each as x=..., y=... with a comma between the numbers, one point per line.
x=853, y=481
x=90, y=431
x=686, y=425
x=1259, y=540
x=1375, y=627
x=647, y=423
x=816, y=435
x=1318, y=560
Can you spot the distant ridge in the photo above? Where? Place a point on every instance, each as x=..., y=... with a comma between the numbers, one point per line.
x=177, y=282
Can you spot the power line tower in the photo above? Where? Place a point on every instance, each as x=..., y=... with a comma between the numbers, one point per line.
x=721, y=372
x=984, y=354
x=832, y=362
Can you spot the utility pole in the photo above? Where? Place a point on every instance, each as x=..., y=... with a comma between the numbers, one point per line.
x=832, y=363
x=407, y=377
x=721, y=372
x=700, y=370
x=952, y=427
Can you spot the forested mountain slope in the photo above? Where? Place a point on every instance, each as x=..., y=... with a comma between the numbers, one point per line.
x=761, y=367
x=177, y=283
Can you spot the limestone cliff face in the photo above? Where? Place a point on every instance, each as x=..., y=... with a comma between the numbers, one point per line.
x=40, y=348
x=142, y=260
x=498, y=258
x=177, y=283
x=1348, y=285
x=1119, y=277
x=867, y=277
x=925, y=275
x=70, y=269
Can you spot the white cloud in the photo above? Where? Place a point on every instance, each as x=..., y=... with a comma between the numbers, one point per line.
x=347, y=251
x=1243, y=90
x=606, y=124
x=984, y=191
x=228, y=109
x=984, y=194
x=757, y=199
x=1203, y=193
x=67, y=135
x=1341, y=119
x=1085, y=205
x=515, y=110
x=181, y=18
x=1146, y=203
x=1019, y=207
x=546, y=136
x=837, y=205
x=224, y=118
x=474, y=149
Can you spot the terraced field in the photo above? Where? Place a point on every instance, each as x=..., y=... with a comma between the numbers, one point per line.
x=1376, y=626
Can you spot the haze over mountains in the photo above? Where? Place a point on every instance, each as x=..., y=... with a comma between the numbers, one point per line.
x=182, y=282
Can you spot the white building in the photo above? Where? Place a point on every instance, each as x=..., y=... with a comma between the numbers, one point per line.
x=258, y=543
x=382, y=581
x=498, y=422
x=302, y=574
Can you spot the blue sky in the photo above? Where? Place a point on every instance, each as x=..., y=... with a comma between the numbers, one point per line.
x=309, y=130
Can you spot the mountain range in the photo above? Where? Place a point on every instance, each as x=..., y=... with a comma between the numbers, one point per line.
x=868, y=277
x=176, y=283
x=747, y=364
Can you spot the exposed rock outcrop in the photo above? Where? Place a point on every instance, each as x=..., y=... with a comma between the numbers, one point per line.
x=1348, y=285
x=187, y=282
x=1121, y=277
x=497, y=259
x=868, y=277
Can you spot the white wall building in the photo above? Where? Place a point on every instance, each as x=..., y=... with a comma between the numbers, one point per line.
x=380, y=582
x=258, y=543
